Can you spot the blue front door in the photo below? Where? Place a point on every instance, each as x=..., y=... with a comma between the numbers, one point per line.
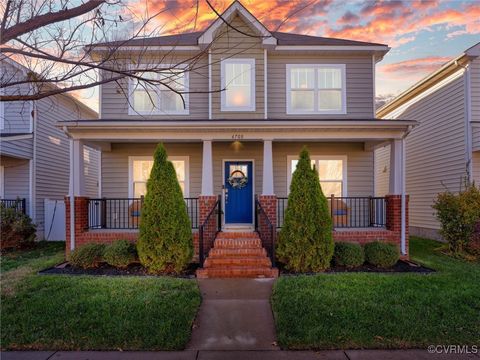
x=238, y=192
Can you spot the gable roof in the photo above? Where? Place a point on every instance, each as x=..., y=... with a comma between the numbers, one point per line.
x=205, y=37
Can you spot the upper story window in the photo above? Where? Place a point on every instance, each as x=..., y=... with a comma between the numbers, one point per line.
x=238, y=78
x=316, y=89
x=155, y=99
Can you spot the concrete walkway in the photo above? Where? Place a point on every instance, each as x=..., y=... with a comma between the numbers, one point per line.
x=235, y=315
x=235, y=355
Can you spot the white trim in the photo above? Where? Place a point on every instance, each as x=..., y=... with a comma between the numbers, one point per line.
x=403, y=213
x=30, y=190
x=399, y=110
x=468, y=124
x=99, y=173
x=17, y=137
x=316, y=67
x=331, y=47
x=158, y=110
x=207, y=36
x=142, y=48
x=2, y=181
x=249, y=61
x=33, y=199
x=72, y=199
x=374, y=85
x=344, y=159
x=265, y=84
x=223, y=192
x=131, y=159
x=209, y=84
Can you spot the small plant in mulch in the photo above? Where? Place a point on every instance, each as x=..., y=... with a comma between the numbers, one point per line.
x=349, y=255
x=87, y=256
x=381, y=254
x=120, y=254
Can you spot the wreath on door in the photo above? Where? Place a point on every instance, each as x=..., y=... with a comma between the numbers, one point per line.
x=237, y=179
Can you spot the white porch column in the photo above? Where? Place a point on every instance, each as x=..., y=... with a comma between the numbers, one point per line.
x=267, y=168
x=207, y=168
x=396, y=167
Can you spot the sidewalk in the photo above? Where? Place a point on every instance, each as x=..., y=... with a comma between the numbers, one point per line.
x=234, y=355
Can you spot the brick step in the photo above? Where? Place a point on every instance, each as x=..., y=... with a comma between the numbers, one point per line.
x=237, y=272
x=260, y=261
x=240, y=243
x=226, y=252
x=236, y=235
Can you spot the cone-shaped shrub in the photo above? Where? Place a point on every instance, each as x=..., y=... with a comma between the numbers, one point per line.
x=305, y=242
x=165, y=241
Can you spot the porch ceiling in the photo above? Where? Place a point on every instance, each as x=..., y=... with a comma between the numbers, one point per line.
x=108, y=130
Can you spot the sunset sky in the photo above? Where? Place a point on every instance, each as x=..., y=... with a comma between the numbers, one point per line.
x=423, y=35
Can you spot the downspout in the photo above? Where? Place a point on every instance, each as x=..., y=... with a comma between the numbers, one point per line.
x=468, y=119
x=403, y=227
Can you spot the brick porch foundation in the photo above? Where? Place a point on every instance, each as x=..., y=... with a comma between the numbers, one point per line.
x=391, y=233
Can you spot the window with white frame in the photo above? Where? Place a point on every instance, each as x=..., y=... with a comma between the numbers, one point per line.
x=238, y=80
x=140, y=168
x=316, y=89
x=332, y=171
x=154, y=98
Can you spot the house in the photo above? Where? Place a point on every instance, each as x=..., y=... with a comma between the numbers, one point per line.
x=231, y=147
x=444, y=149
x=34, y=153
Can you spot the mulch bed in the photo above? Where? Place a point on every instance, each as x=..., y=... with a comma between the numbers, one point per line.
x=400, y=267
x=107, y=270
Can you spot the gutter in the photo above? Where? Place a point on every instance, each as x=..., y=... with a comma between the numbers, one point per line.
x=468, y=119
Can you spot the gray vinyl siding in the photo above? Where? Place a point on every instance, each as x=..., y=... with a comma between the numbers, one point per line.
x=475, y=102
x=17, y=148
x=53, y=151
x=91, y=170
x=229, y=43
x=16, y=114
x=435, y=150
x=114, y=96
x=382, y=170
x=17, y=179
x=115, y=166
x=359, y=84
x=359, y=164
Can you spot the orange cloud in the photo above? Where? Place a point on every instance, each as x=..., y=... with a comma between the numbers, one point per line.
x=414, y=67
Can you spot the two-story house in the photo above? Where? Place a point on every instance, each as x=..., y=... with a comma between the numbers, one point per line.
x=35, y=154
x=253, y=99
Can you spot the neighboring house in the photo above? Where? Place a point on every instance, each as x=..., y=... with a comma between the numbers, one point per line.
x=283, y=91
x=34, y=153
x=444, y=149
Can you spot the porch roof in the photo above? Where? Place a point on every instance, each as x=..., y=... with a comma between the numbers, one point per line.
x=111, y=130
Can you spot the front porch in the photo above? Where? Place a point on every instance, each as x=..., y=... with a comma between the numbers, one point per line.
x=207, y=163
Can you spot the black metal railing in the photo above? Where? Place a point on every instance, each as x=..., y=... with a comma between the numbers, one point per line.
x=124, y=213
x=348, y=211
x=208, y=230
x=266, y=230
x=18, y=204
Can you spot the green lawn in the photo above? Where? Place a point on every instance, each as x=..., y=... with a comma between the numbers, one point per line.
x=381, y=310
x=85, y=312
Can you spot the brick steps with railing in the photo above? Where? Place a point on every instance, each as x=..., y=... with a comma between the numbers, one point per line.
x=237, y=255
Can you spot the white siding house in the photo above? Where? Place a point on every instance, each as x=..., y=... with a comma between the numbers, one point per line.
x=444, y=149
x=34, y=153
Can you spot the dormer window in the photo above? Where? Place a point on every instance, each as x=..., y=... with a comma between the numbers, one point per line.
x=316, y=89
x=238, y=80
x=157, y=99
